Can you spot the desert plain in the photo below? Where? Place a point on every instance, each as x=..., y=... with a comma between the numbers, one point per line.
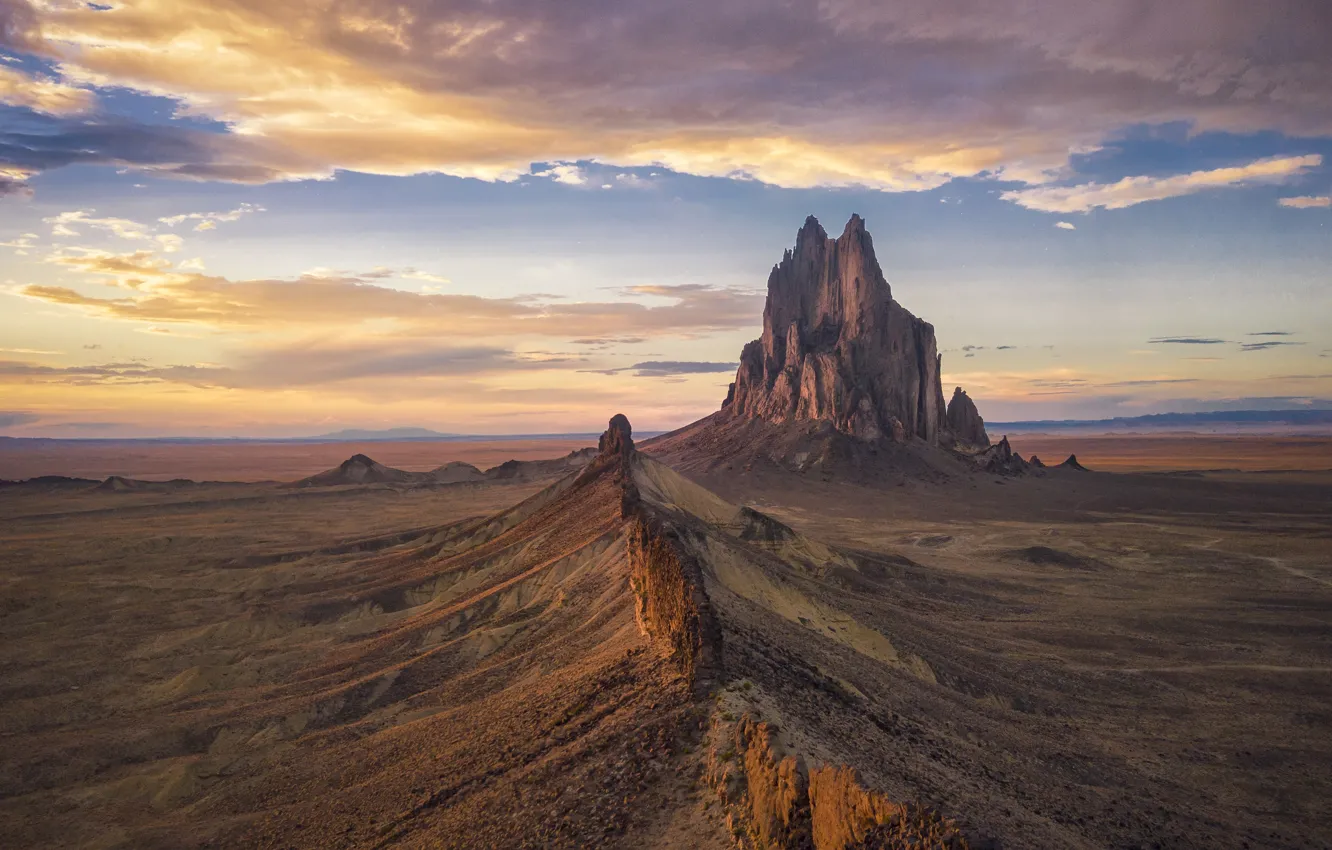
x=1060, y=659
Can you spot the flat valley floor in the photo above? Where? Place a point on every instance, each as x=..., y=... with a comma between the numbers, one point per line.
x=1134, y=660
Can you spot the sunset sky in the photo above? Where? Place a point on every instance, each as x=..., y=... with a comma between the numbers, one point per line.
x=260, y=218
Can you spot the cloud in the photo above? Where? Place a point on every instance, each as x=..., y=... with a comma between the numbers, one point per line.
x=170, y=242
x=1271, y=333
x=566, y=173
x=64, y=224
x=42, y=94
x=1005, y=347
x=1184, y=340
x=307, y=363
x=209, y=220
x=153, y=292
x=669, y=368
x=485, y=88
x=33, y=144
x=10, y=418
x=21, y=243
x=1065, y=225
x=1263, y=346
x=1130, y=191
x=1148, y=382
x=1307, y=202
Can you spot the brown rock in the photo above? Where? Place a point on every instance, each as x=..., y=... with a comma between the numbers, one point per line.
x=837, y=347
x=964, y=420
x=618, y=438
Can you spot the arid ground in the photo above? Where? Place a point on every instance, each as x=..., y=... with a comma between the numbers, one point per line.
x=1072, y=660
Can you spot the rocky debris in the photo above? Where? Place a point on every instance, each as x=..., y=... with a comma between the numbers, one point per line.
x=1072, y=463
x=837, y=347
x=775, y=802
x=1000, y=459
x=1036, y=462
x=964, y=420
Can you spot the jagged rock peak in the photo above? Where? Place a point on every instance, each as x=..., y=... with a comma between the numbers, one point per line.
x=618, y=439
x=1072, y=463
x=837, y=347
x=964, y=420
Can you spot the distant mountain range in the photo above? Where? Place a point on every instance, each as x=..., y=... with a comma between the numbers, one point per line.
x=1251, y=420
x=386, y=434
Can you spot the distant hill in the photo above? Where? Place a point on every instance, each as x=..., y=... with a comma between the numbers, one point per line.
x=1230, y=420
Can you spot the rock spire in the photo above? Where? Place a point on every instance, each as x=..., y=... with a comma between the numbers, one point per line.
x=964, y=420
x=837, y=347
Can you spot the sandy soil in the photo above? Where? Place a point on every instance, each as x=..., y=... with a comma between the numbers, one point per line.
x=151, y=461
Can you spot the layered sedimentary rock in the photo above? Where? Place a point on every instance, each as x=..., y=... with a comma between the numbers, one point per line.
x=964, y=420
x=837, y=347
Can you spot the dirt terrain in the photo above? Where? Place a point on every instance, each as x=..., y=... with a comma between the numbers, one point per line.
x=1082, y=660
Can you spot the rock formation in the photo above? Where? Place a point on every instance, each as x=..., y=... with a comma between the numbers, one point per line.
x=964, y=420
x=1072, y=463
x=837, y=347
x=1036, y=462
x=1001, y=459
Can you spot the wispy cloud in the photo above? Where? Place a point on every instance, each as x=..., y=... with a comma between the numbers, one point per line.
x=1185, y=340
x=153, y=292
x=1137, y=190
x=64, y=224
x=1307, y=202
x=41, y=93
x=1263, y=346
x=1271, y=333
x=209, y=220
x=1065, y=225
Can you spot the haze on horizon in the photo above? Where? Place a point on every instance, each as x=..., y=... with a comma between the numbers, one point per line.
x=444, y=216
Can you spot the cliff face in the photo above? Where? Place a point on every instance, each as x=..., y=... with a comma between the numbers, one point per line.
x=837, y=347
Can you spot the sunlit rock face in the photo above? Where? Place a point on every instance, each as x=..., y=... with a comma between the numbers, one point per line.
x=837, y=347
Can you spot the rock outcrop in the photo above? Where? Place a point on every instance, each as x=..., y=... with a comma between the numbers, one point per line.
x=837, y=347
x=1072, y=463
x=964, y=420
x=1001, y=459
x=775, y=801
x=358, y=469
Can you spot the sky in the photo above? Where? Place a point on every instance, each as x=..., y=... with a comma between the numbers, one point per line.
x=248, y=218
